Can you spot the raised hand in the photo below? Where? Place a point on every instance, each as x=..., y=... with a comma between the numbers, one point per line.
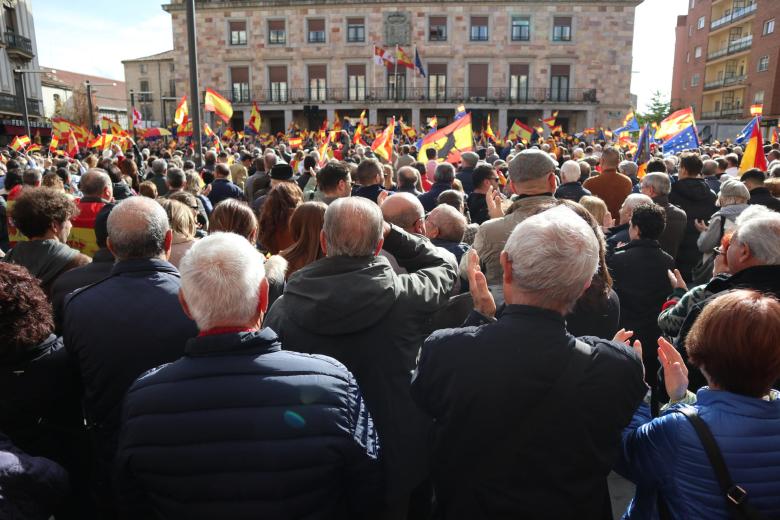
x=478, y=287
x=675, y=371
x=493, y=200
x=676, y=279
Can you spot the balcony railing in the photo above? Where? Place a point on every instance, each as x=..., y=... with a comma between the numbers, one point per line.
x=726, y=112
x=12, y=104
x=414, y=94
x=735, y=15
x=724, y=82
x=732, y=48
x=17, y=42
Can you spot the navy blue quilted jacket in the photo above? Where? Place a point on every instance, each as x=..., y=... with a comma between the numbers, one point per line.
x=239, y=428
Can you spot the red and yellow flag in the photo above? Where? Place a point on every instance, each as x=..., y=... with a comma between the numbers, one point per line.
x=254, y=119
x=19, y=143
x=324, y=157
x=295, y=142
x=383, y=144
x=53, y=144
x=450, y=141
x=402, y=58
x=213, y=102
x=519, y=131
x=754, y=152
x=109, y=126
x=675, y=123
x=207, y=130
x=73, y=145
x=489, y=131
x=181, y=111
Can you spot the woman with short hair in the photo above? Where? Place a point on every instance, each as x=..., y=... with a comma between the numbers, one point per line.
x=183, y=224
x=734, y=342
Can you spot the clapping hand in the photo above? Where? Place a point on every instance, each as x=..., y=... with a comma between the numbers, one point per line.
x=700, y=225
x=493, y=200
x=608, y=221
x=675, y=371
x=676, y=279
x=478, y=287
x=624, y=336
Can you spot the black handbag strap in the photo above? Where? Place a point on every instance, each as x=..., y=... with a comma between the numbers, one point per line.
x=736, y=497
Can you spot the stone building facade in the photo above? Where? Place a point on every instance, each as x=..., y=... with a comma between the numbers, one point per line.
x=151, y=82
x=302, y=60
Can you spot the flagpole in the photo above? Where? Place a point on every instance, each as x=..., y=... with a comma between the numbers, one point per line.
x=414, y=76
x=395, y=72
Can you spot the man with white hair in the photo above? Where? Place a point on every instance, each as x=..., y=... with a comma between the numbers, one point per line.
x=468, y=161
x=157, y=176
x=619, y=233
x=117, y=329
x=97, y=190
x=630, y=170
x=257, y=417
x=657, y=186
x=528, y=418
x=353, y=307
x=571, y=187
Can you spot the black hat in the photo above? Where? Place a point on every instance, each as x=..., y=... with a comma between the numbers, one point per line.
x=281, y=172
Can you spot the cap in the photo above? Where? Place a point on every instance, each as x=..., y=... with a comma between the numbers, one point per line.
x=733, y=188
x=281, y=172
x=530, y=165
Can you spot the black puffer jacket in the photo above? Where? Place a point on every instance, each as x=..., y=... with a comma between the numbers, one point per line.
x=696, y=199
x=239, y=428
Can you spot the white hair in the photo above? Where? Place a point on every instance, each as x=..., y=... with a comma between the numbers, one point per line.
x=570, y=172
x=136, y=228
x=761, y=233
x=660, y=182
x=554, y=254
x=635, y=199
x=353, y=227
x=220, y=280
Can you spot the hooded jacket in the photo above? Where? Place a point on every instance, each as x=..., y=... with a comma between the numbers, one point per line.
x=45, y=259
x=696, y=199
x=358, y=311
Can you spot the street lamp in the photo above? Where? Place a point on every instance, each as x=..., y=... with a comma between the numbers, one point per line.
x=89, y=100
x=22, y=72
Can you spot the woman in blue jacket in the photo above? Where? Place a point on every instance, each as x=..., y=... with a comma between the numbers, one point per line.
x=734, y=342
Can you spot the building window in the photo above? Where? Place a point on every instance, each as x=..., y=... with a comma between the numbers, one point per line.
x=437, y=81
x=695, y=80
x=237, y=32
x=479, y=29
x=143, y=68
x=559, y=82
x=690, y=30
x=763, y=63
x=518, y=82
x=171, y=67
x=396, y=84
x=693, y=4
x=356, y=30
x=521, y=28
x=277, y=35
x=171, y=87
x=239, y=84
x=697, y=52
x=317, y=82
x=688, y=57
x=316, y=30
x=478, y=80
x=437, y=29
x=758, y=97
x=277, y=77
x=144, y=96
x=769, y=26
x=700, y=23
x=562, y=29
x=356, y=82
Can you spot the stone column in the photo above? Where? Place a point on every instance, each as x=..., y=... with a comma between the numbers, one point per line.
x=373, y=116
x=288, y=117
x=416, y=117
x=503, y=122
x=331, y=115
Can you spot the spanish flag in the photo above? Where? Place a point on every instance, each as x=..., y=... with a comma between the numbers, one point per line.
x=295, y=142
x=550, y=121
x=450, y=141
x=675, y=123
x=55, y=142
x=213, y=102
x=324, y=157
x=73, y=145
x=181, y=111
x=254, y=119
x=754, y=153
x=383, y=144
x=19, y=143
x=519, y=131
x=489, y=131
x=403, y=59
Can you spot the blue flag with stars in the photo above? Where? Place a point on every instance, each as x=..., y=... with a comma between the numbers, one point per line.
x=685, y=140
x=744, y=135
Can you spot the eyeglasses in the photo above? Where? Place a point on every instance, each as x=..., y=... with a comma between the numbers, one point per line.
x=493, y=179
x=720, y=250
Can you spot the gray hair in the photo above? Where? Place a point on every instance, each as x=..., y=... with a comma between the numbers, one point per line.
x=761, y=233
x=660, y=182
x=176, y=178
x=32, y=177
x=628, y=168
x=450, y=222
x=94, y=182
x=570, y=172
x=469, y=159
x=353, y=227
x=136, y=229
x=636, y=199
x=403, y=209
x=220, y=280
x=554, y=254
x=445, y=173
x=159, y=166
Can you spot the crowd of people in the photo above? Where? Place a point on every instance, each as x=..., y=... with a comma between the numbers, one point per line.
x=278, y=335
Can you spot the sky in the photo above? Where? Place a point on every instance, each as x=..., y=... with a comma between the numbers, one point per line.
x=94, y=37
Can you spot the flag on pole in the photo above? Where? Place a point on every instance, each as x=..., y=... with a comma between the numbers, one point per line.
x=295, y=142
x=73, y=145
x=744, y=135
x=324, y=157
x=550, y=121
x=630, y=124
x=109, y=126
x=489, y=131
x=383, y=144
x=379, y=55
x=519, y=131
x=643, y=156
x=254, y=119
x=418, y=63
x=181, y=111
x=754, y=152
x=450, y=141
x=19, y=143
x=207, y=130
x=137, y=119
x=687, y=139
x=213, y=102
x=53, y=144
x=403, y=59
x=675, y=123
x=756, y=110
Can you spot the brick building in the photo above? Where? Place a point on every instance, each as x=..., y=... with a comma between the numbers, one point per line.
x=151, y=80
x=303, y=61
x=726, y=59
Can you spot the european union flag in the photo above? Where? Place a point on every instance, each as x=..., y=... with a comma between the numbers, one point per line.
x=685, y=140
x=744, y=136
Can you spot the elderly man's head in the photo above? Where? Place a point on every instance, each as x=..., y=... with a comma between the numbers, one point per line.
x=756, y=240
x=631, y=202
x=175, y=179
x=223, y=283
x=96, y=183
x=610, y=158
x=570, y=172
x=468, y=159
x=628, y=168
x=159, y=166
x=532, y=172
x=407, y=177
x=405, y=211
x=549, y=260
x=656, y=185
x=353, y=227
x=138, y=229
x=445, y=223
x=444, y=174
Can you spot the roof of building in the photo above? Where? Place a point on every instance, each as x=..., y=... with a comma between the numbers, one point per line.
x=167, y=55
x=179, y=5
x=111, y=93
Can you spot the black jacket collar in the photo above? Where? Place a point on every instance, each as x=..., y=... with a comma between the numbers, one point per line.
x=640, y=242
x=763, y=277
x=136, y=265
x=260, y=341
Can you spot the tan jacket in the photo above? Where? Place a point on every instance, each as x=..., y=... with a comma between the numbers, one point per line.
x=493, y=234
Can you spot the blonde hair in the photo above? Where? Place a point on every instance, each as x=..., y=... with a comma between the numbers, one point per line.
x=595, y=206
x=180, y=217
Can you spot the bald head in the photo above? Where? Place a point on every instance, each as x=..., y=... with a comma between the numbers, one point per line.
x=138, y=228
x=446, y=223
x=353, y=227
x=96, y=183
x=405, y=211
